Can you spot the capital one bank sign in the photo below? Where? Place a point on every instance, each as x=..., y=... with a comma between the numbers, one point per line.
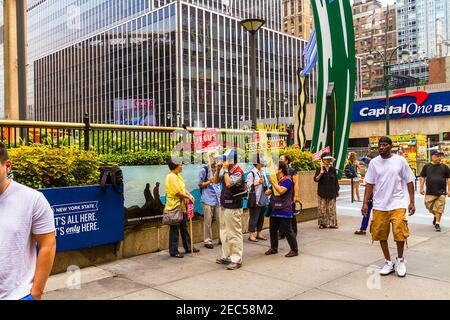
x=408, y=105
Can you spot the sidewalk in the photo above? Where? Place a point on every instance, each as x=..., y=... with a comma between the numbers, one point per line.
x=333, y=264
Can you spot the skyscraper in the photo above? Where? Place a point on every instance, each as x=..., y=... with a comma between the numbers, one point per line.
x=297, y=18
x=158, y=62
x=422, y=27
x=2, y=84
x=369, y=21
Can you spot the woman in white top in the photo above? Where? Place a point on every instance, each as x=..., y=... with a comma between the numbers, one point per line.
x=257, y=178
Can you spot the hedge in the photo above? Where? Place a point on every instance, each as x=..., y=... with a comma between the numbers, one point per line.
x=301, y=160
x=40, y=166
x=139, y=158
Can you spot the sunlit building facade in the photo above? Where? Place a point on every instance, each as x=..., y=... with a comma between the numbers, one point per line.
x=162, y=63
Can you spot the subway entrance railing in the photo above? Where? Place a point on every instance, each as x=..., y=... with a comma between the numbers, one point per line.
x=107, y=139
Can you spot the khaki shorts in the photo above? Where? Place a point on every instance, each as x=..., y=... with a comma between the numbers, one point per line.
x=381, y=223
x=435, y=204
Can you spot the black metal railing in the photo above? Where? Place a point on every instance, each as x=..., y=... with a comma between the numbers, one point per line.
x=107, y=139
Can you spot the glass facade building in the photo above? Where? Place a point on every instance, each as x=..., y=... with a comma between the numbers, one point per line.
x=2, y=80
x=422, y=26
x=159, y=63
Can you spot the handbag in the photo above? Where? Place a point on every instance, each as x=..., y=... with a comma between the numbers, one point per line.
x=173, y=217
x=251, y=200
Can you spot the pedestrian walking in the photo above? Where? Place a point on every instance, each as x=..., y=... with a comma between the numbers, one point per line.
x=210, y=198
x=436, y=177
x=328, y=190
x=390, y=180
x=231, y=176
x=281, y=210
x=27, y=238
x=176, y=196
x=292, y=173
x=365, y=219
x=353, y=171
x=257, y=178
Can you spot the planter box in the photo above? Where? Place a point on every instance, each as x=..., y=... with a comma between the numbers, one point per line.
x=86, y=217
x=152, y=237
x=308, y=190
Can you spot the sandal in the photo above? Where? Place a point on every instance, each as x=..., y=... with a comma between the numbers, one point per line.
x=261, y=238
x=333, y=227
x=252, y=239
x=322, y=226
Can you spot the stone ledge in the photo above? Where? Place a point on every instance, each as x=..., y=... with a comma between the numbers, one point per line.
x=146, y=238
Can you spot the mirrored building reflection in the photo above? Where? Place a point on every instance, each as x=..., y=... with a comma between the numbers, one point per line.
x=163, y=63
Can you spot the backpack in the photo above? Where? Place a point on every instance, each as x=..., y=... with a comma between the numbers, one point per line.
x=206, y=168
x=350, y=171
x=239, y=190
x=111, y=175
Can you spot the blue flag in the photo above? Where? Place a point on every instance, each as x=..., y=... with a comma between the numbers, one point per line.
x=310, y=54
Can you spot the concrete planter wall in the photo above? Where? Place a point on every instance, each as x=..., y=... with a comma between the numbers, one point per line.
x=151, y=237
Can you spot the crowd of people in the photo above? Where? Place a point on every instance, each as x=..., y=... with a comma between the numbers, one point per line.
x=27, y=239
x=388, y=196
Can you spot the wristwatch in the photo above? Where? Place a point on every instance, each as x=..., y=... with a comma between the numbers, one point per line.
x=226, y=171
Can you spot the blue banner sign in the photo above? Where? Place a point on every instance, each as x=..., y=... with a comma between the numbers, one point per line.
x=86, y=216
x=403, y=106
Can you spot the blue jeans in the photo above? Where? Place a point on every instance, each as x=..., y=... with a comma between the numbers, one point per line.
x=28, y=297
x=365, y=220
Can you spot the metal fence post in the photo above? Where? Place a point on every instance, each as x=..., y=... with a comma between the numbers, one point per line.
x=351, y=187
x=87, y=128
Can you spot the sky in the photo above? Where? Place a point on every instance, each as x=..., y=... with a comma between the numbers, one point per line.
x=383, y=2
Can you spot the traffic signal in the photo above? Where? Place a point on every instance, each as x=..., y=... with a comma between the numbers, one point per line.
x=446, y=136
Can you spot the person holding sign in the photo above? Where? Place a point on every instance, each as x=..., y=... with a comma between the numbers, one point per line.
x=232, y=177
x=210, y=197
x=328, y=190
x=176, y=194
x=256, y=203
x=26, y=224
x=295, y=202
x=281, y=212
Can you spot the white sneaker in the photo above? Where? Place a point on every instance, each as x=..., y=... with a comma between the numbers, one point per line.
x=400, y=267
x=388, y=268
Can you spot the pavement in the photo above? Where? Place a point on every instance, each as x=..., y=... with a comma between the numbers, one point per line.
x=334, y=264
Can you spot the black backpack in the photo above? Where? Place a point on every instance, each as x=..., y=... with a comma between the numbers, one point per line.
x=111, y=175
x=350, y=171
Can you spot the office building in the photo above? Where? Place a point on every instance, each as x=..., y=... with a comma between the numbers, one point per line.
x=423, y=26
x=297, y=18
x=369, y=21
x=158, y=63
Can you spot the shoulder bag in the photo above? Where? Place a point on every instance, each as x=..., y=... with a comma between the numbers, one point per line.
x=173, y=217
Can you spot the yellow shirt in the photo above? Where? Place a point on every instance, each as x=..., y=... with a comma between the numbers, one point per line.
x=174, y=184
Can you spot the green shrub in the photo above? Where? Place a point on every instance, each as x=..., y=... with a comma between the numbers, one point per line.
x=301, y=160
x=41, y=166
x=139, y=158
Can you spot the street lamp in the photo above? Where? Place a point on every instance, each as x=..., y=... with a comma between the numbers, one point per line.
x=170, y=118
x=276, y=103
x=386, y=66
x=252, y=26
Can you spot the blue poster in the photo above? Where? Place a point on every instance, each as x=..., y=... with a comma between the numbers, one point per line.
x=403, y=106
x=86, y=216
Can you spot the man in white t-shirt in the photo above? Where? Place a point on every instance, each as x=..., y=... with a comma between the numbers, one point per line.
x=390, y=179
x=26, y=221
